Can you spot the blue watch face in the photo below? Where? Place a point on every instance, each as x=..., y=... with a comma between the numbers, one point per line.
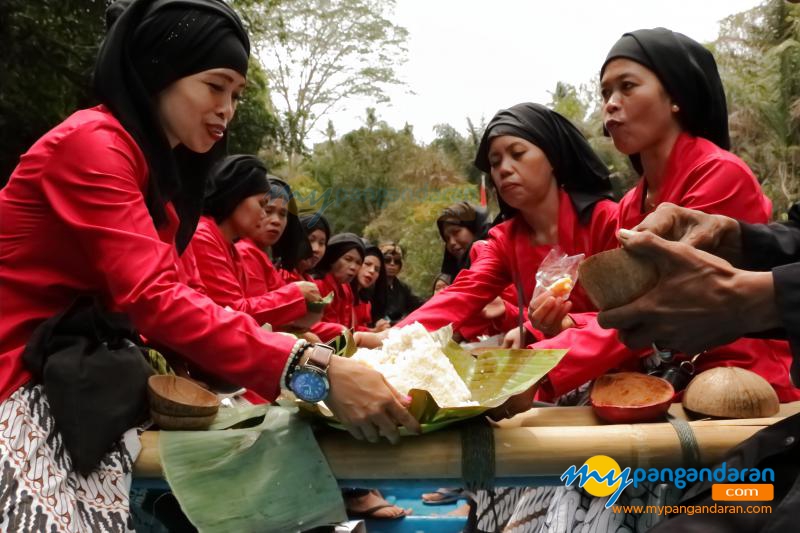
x=309, y=386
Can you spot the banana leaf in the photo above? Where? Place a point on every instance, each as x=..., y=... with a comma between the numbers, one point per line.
x=492, y=377
x=211, y=473
x=319, y=306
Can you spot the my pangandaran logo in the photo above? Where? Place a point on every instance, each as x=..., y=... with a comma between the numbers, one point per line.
x=602, y=476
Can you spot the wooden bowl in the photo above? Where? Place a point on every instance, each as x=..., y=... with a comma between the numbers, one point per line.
x=731, y=392
x=182, y=423
x=631, y=397
x=177, y=396
x=616, y=277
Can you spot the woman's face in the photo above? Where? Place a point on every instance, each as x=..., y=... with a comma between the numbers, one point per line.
x=318, y=243
x=637, y=111
x=520, y=171
x=457, y=239
x=248, y=218
x=346, y=268
x=439, y=286
x=393, y=263
x=369, y=272
x=277, y=214
x=195, y=110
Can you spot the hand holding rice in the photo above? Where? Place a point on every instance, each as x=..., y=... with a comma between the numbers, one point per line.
x=411, y=359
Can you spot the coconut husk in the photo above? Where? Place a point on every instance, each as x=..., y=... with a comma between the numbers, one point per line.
x=616, y=277
x=731, y=392
x=178, y=397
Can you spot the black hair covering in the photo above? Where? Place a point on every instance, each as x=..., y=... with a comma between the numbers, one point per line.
x=379, y=287
x=314, y=221
x=338, y=245
x=576, y=167
x=689, y=75
x=232, y=180
x=151, y=44
x=293, y=245
x=464, y=214
x=441, y=276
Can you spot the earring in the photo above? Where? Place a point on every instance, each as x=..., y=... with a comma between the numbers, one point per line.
x=675, y=108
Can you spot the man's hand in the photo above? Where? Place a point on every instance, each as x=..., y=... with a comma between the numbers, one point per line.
x=715, y=234
x=548, y=314
x=699, y=302
x=365, y=403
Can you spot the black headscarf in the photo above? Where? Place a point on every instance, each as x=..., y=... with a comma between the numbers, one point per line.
x=379, y=287
x=689, y=75
x=232, y=180
x=576, y=167
x=464, y=214
x=293, y=245
x=314, y=221
x=151, y=44
x=339, y=245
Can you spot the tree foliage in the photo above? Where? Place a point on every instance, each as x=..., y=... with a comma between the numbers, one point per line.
x=758, y=52
x=48, y=52
x=318, y=53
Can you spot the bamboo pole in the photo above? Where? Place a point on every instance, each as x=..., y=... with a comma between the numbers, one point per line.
x=520, y=450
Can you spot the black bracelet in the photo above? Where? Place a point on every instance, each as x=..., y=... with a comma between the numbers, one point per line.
x=292, y=366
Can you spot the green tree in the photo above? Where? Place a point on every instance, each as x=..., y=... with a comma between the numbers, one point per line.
x=460, y=149
x=758, y=53
x=48, y=52
x=318, y=53
x=254, y=130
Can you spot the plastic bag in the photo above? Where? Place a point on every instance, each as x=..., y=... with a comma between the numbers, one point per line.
x=557, y=274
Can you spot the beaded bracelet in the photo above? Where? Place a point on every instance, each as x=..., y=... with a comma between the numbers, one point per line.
x=294, y=358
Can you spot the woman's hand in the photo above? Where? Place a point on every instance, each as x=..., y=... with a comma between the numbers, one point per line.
x=368, y=339
x=514, y=405
x=381, y=325
x=365, y=403
x=494, y=309
x=512, y=340
x=548, y=314
x=310, y=337
x=309, y=290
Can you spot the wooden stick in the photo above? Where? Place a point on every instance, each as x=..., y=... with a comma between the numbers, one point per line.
x=521, y=451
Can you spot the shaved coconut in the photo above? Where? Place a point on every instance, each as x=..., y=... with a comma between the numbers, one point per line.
x=411, y=359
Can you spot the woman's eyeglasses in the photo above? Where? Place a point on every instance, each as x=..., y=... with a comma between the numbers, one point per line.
x=389, y=260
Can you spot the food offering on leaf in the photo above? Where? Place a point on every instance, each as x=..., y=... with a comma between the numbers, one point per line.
x=410, y=358
x=562, y=287
x=631, y=397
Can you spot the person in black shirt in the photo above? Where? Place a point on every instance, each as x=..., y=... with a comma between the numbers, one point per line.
x=398, y=299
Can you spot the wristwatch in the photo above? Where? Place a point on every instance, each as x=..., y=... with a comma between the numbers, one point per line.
x=309, y=381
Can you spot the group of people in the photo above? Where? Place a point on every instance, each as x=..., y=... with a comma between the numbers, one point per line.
x=134, y=203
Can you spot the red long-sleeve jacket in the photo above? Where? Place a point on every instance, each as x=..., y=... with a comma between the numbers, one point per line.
x=702, y=176
x=509, y=255
x=73, y=221
x=341, y=309
x=223, y=274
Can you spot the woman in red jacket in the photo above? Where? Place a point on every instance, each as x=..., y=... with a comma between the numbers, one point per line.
x=371, y=277
x=236, y=205
x=552, y=190
x=318, y=232
x=664, y=106
x=103, y=205
x=339, y=267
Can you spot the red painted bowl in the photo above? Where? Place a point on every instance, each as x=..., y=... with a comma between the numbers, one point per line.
x=631, y=397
